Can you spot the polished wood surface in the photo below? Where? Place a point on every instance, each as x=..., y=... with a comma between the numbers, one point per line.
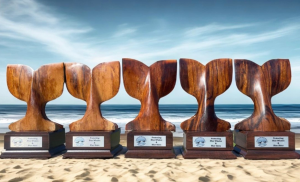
x=149, y=84
x=110, y=149
x=168, y=134
x=50, y=140
x=94, y=154
x=36, y=88
x=93, y=86
x=111, y=139
x=151, y=154
x=52, y=144
x=156, y=152
x=260, y=83
x=266, y=154
x=246, y=139
x=29, y=154
x=245, y=145
x=206, y=154
x=190, y=152
x=205, y=83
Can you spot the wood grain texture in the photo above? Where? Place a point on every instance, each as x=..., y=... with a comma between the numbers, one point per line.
x=110, y=149
x=266, y=154
x=198, y=154
x=29, y=154
x=36, y=88
x=50, y=140
x=151, y=154
x=149, y=84
x=93, y=154
x=93, y=86
x=260, y=83
x=246, y=139
x=111, y=139
x=205, y=83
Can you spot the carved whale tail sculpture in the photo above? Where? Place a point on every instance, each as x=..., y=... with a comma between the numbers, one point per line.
x=94, y=87
x=36, y=88
x=260, y=83
x=149, y=84
x=205, y=83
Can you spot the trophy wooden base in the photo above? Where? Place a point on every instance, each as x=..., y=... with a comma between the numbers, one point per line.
x=150, y=144
x=209, y=145
x=265, y=145
x=92, y=144
x=33, y=144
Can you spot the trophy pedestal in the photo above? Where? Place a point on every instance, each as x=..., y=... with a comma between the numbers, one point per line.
x=209, y=145
x=33, y=144
x=92, y=144
x=150, y=144
x=265, y=145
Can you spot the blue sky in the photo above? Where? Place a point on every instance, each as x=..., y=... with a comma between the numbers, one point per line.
x=90, y=32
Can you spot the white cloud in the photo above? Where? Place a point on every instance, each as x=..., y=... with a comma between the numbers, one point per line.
x=261, y=37
x=211, y=28
x=124, y=32
x=24, y=9
x=29, y=20
x=204, y=45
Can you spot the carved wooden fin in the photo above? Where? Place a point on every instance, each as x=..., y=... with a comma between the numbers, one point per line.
x=218, y=77
x=247, y=75
x=205, y=83
x=260, y=83
x=162, y=74
x=19, y=80
x=192, y=77
x=106, y=80
x=36, y=88
x=48, y=82
x=277, y=74
x=136, y=76
x=94, y=87
x=149, y=84
x=78, y=80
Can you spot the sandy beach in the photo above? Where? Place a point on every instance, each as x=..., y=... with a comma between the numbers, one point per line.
x=121, y=169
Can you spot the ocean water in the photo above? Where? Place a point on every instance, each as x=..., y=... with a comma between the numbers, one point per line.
x=122, y=114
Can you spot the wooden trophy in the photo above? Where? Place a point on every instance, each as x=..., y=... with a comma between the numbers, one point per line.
x=205, y=135
x=93, y=136
x=34, y=136
x=150, y=135
x=263, y=135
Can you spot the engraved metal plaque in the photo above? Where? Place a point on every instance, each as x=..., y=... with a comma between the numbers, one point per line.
x=209, y=142
x=149, y=141
x=88, y=141
x=32, y=141
x=271, y=141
